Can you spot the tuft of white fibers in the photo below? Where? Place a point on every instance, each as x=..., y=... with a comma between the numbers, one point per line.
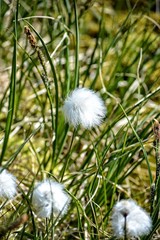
x=50, y=197
x=84, y=107
x=138, y=221
x=8, y=185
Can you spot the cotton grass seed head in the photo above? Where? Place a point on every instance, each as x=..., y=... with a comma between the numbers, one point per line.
x=8, y=185
x=84, y=107
x=138, y=222
x=50, y=197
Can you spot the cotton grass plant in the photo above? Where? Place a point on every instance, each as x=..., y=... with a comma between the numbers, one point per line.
x=8, y=185
x=84, y=107
x=114, y=55
x=49, y=197
x=130, y=220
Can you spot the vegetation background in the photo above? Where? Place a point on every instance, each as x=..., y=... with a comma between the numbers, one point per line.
x=112, y=47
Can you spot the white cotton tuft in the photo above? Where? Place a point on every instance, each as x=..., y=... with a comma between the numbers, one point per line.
x=138, y=221
x=50, y=197
x=8, y=185
x=84, y=107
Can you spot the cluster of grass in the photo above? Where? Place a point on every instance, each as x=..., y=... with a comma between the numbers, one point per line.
x=47, y=49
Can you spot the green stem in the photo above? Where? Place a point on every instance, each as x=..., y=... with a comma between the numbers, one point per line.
x=76, y=83
x=67, y=157
x=12, y=94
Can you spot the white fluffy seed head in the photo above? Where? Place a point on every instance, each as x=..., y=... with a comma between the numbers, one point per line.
x=84, y=107
x=50, y=197
x=8, y=185
x=138, y=222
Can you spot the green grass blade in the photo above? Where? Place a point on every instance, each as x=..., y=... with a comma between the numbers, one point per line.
x=12, y=90
x=76, y=80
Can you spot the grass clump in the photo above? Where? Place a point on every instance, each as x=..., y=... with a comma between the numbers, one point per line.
x=48, y=50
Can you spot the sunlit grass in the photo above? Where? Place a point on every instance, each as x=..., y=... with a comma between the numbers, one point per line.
x=118, y=57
